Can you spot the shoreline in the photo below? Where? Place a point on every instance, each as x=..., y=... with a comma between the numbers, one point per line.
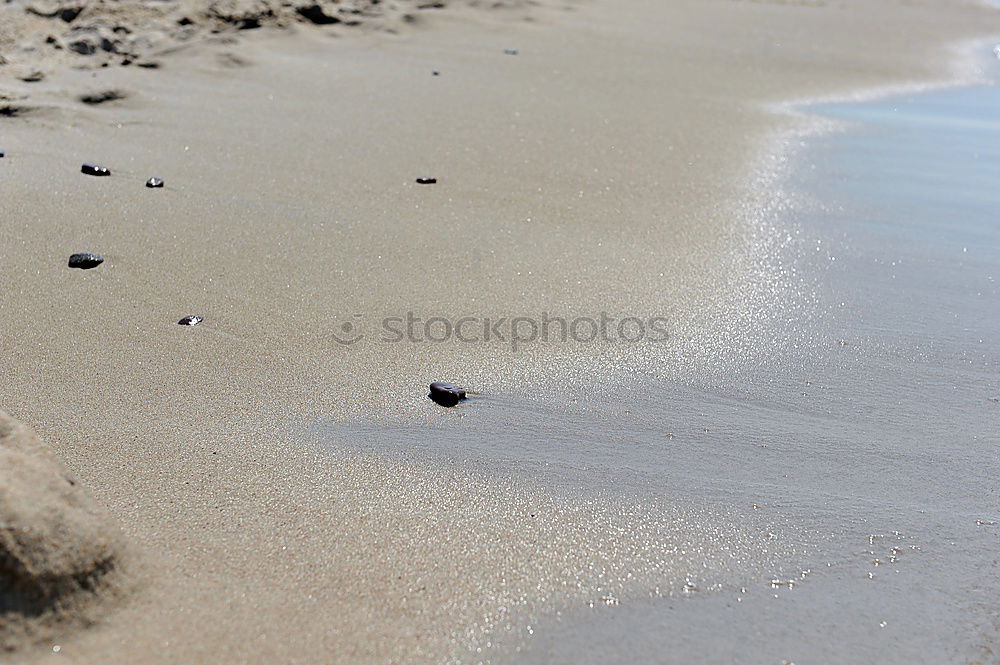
x=221, y=425
x=765, y=197
x=894, y=483
x=965, y=70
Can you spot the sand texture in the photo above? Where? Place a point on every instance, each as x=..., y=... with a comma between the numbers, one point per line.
x=603, y=167
x=59, y=552
x=40, y=35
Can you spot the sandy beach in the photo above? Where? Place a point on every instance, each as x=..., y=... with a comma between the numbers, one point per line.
x=603, y=163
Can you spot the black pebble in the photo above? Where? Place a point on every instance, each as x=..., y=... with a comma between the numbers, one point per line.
x=510, y=51
x=154, y=182
x=192, y=320
x=85, y=260
x=446, y=394
x=435, y=73
x=2, y=154
x=426, y=181
x=94, y=169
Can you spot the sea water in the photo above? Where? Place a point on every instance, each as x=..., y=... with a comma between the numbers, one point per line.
x=881, y=441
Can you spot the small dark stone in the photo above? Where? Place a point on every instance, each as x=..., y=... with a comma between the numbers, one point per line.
x=510, y=51
x=435, y=73
x=94, y=169
x=154, y=182
x=192, y=320
x=85, y=260
x=2, y=154
x=446, y=394
x=426, y=181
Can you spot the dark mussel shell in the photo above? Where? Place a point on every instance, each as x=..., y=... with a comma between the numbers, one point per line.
x=85, y=260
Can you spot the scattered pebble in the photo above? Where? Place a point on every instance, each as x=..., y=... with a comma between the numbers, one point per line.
x=94, y=169
x=192, y=320
x=85, y=260
x=435, y=73
x=510, y=51
x=2, y=154
x=426, y=181
x=154, y=182
x=446, y=394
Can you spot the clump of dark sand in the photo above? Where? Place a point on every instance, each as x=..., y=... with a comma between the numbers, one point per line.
x=59, y=551
x=98, y=33
x=102, y=97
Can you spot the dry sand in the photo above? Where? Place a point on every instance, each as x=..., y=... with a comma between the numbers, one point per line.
x=60, y=554
x=604, y=167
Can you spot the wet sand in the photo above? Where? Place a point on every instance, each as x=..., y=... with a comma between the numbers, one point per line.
x=883, y=441
x=602, y=168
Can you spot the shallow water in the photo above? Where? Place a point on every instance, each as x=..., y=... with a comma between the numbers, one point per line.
x=879, y=444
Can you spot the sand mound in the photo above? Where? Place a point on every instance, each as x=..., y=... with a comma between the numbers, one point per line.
x=96, y=33
x=57, y=547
